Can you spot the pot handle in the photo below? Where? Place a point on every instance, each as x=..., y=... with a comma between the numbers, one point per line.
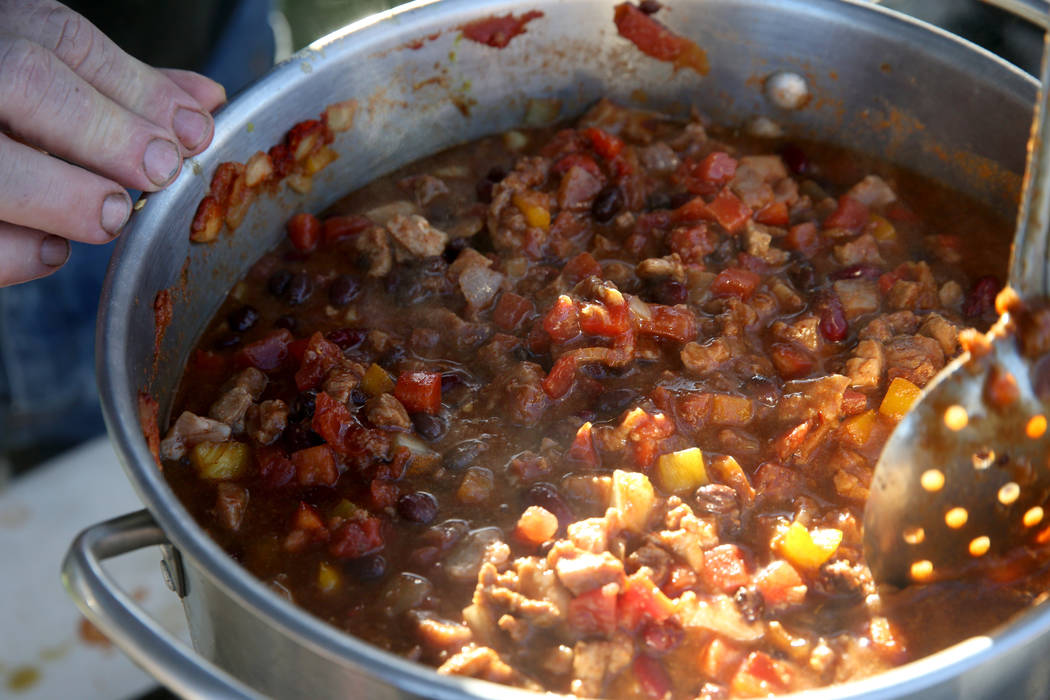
x=1035, y=11
x=138, y=635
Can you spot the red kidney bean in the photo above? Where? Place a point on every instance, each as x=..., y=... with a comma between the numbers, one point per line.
x=649, y=7
x=661, y=637
x=832, y=324
x=981, y=299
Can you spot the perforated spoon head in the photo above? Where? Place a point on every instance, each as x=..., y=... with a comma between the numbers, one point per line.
x=965, y=477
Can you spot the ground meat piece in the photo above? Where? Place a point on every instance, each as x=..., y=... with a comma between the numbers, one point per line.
x=913, y=357
x=590, y=535
x=659, y=268
x=468, y=257
x=581, y=571
x=231, y=407
x=416, y=234
x=519, y=393
x=658, y=157
x=507, y=233
x=484, y=663
x=803, y=331
x=865, y=367
x=495, y=356
x=758, y=241
x=374, y=245
x=943, y=331
x=872, y=191
x=654, y=558
x=385, y=411
x=812, y=398
x=251, y=380
x=594, y=662
x=843, y=577
x=863, y=249
x=578, y=189
x=189, y=430
x=888, y=325
x=231, y=501
x=858, y=296
x=687, y=536
x=439, y=635
x=268, y=421
x=701, y=359
x=425, y=188
x=754, y=179
x=343, y=379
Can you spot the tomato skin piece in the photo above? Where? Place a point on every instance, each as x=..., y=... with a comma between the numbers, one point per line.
x=335, y=424
x=562, y=322
x=604, y=144
x=582, y=448
x=725, y=568
x=319, y=356
x=673, y=322
x=315, y=466
x=580, y=268
x=656, y=40
x=356, y=538
x=511, y=310
x=594, y=612
x=791, y=361
x=559, y=380
x=304, y=231
x=273, y=465
x=717, y=168
x=773, y=214
x=729, y=211
x=851, y=215
x=419, y=392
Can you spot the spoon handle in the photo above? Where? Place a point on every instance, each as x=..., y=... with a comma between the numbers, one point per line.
x=1029, y=266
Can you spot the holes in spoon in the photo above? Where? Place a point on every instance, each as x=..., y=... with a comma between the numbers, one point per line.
x=956, y=518
x=956, y=418
x=983, y=458
x=932, y=480
x=1032, y=517
x=921, y=570
x=914, y=535
x=1009, y=493
x=1036, y=427
x=979, y=546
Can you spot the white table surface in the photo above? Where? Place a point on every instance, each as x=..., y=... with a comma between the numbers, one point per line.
x=44, y=653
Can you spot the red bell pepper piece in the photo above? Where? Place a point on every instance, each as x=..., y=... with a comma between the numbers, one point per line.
x=419, y=392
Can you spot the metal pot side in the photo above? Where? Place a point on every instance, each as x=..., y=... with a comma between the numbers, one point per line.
x=879, y=82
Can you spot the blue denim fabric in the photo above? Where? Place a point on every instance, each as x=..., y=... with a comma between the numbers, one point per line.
x=48, y=394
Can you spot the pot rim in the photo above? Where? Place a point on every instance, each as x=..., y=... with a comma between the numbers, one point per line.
x=119, y=394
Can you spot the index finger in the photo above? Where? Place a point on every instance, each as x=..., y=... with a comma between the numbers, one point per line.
x=124, y=79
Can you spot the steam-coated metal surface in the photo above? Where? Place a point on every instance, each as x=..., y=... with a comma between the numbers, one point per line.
x=880, y=83
x=950, y=492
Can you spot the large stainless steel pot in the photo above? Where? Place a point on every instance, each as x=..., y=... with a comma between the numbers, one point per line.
x=879, y=82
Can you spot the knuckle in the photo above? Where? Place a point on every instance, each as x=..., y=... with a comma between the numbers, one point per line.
x=26, y=69
x=75, y=38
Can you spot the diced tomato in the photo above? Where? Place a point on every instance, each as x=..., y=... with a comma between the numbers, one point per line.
x=266, y=354
x=275, y=469
x=559, y=379
x=736, y=282
x=580, y=268
x=281, y=157
x=694, y=210
x=802, y=237
x=854, y=402
x=760, y=675
x=725, y=568
x=642, y=601
x=604, y=144
x=620, y=167
x=594, y=613
x=674, y=322
x=537, y=341
x=562, y=322
x=692, y=242
x=315, y=466
x=336, y=425
x=395, y=468
x=319, y=356
x=901, y=212
x=656, y=40
x=563, y=142
x=728, y=210
x=652, y=677
x=511, y=310
x=382, y=494
x=717, y=168
x=851, y=215
x=304, y=231
x=791, y=361
x=357, y=537
x=307, y=518
x=780, y=584
x=336, y=228
x=297, y=349
x=773, y=214
x=420, y=392
x=608, y=320
x=887, y=280
x=211, y=364
x=582, y=448
x=578, y=160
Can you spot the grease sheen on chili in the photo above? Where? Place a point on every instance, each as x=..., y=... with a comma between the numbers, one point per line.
x=594, y=410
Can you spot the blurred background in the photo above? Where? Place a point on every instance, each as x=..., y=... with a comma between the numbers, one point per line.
x=58, y=473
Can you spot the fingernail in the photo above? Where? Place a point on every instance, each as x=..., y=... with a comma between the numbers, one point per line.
x=116, y=208
x=161, y=161
x=191, y=126
x=54, y=251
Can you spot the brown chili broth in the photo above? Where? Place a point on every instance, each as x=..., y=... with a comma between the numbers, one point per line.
x=946, y=612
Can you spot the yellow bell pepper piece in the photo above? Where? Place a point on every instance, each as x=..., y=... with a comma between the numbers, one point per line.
x=857, y=429
x=328, y=578
x=376, y=381
x=899, y=398
x=681, y=471
x=535, y=213
x=220, y=461
x=882, y=229
x=633, y=497
x=808, y=549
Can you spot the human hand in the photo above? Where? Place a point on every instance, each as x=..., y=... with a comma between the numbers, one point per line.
x=83, y=121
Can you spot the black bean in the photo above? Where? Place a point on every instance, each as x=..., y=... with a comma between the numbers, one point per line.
x=303, y=406
x=484, y=191
x=607, y=204
x=358, y=397
x=680, y=198
x=419, y=507
x=298, y=436
x=463, y=455
x=496, y=174
x=243, y=318
x=299, y=289
x=649, y=7
x=454, y=248
x=802, y=275
x=227, y=341
x=669, y=292
x=722, y=502
x=614, y=401
x=343, y=289
x=289, y=322
x=368, y=568
x=795, y=159
x=450, y=380
x=278, y=282
x=658, y=200
x=749, y=602
x=429, y=427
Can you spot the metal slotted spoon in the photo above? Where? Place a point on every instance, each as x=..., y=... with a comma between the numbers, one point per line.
x=965, y=477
